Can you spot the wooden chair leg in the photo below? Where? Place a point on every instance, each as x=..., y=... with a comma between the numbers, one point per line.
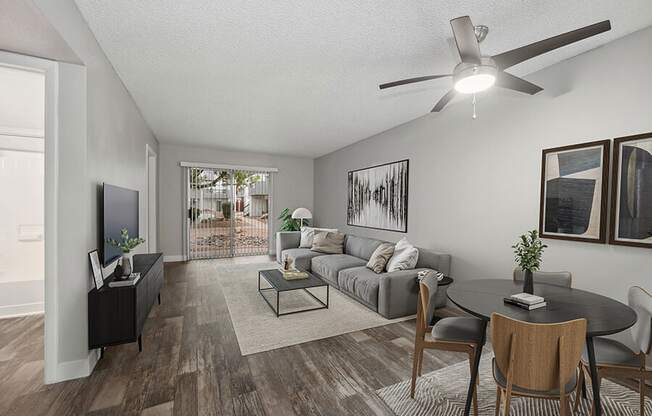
x=642, y=392
x=508, y=400
x=580, y=387
x=563, y=405
x=420, y=361
x=415, y=369
x=475, y=389
x=498, y=399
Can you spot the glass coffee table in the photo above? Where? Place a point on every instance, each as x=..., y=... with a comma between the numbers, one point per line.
x=278, y=284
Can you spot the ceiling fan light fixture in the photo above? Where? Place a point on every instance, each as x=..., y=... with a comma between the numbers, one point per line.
x=475, y=83
x=470, y=79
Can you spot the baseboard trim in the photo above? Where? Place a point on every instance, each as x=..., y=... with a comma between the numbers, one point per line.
x=170, y=259
x=69, y=370
x=13, y=311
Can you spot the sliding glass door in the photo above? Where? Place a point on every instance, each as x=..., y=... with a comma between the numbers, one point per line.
x=227, y=212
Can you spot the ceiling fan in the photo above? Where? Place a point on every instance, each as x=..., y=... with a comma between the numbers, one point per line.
x=477, y=72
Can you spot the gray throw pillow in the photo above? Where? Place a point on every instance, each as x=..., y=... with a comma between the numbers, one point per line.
x=380, y=257
x=328, y=242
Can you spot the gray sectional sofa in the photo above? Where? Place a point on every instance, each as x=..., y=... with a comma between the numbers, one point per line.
x=392, y=295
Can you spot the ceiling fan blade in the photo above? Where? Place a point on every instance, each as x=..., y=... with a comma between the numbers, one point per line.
x=467, y=43
x=509, y=81
x=518, y=55
x=443, y=101
x=411, y=80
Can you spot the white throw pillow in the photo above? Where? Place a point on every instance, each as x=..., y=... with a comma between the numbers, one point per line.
x=308, y=233
x=405, y=256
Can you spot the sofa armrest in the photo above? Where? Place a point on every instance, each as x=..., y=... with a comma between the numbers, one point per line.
x=285, y=240
x=398, y=293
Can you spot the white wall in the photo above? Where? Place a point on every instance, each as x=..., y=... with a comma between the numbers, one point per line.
x=22, y=117
x=102, y=138
x=474, y=185
x=292, y=186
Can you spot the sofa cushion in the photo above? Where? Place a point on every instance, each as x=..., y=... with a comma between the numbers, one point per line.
x=327, y=267
x=301, y=256
x=308, y=233
x=404, y=258
x=362, y=283
x=328, y=242
x=380, y=257
x=360, y=246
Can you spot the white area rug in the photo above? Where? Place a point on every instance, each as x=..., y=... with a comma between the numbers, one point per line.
x=443, y=393
x=257, y=327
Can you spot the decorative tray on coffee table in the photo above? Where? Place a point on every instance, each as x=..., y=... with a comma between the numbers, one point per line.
x=293, y=274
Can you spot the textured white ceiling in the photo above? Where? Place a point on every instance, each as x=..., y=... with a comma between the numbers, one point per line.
x=301, y=77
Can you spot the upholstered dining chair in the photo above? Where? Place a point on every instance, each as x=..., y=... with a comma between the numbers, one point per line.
x=458, y=333
x=564, y=279
x=614, y=359
x=536, y=360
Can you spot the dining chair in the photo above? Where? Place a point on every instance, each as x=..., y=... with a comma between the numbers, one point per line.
x=614, y=359
x=563, y=279
x=457, y=334
x=535, y=360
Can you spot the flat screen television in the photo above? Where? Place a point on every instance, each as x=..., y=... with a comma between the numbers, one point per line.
x=119, y=210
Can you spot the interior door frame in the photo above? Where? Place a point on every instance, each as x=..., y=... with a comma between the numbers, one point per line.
x=51, y=183
x=151, y=158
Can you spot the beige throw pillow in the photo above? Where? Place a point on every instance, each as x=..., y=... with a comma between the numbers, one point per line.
x=328, y=242
x=308, y=233
x=380, y=257
x=405, y=256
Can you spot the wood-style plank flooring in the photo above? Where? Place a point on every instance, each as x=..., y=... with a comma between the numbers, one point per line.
x=191, y=364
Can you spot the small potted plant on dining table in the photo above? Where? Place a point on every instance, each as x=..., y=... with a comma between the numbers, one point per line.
x=126, y=244
x=528, y=252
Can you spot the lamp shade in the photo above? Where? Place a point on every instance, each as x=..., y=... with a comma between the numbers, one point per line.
x=301, y=213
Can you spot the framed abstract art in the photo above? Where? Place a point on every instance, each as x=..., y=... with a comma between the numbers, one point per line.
x=378, y=197
x=574, y=188
x=631, y=209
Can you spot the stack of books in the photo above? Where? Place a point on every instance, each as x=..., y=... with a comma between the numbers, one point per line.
x=129, y=281
x=526, y=301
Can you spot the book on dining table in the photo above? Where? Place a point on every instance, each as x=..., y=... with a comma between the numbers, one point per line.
x=526, y=301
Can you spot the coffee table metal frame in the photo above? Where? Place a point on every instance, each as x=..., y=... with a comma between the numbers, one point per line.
x=273, y=287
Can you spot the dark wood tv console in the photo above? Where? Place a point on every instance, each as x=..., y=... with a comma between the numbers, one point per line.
x=116, y=315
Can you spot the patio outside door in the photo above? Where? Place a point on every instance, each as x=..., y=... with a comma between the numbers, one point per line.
x=227, y=212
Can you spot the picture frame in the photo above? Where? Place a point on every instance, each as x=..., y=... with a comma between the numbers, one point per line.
x=378, y=196
x=574, y=192
x=96, y=267
x=631, y=192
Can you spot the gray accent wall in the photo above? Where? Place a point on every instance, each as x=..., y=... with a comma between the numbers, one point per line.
x=292, y=186
x=474, y=184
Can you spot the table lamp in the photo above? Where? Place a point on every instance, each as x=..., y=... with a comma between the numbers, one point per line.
x=301, y=214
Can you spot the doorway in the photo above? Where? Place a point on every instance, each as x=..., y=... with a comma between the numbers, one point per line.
x=227, y=212
x=22, y=175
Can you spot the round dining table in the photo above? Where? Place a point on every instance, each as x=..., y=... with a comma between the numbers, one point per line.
x=483, y=297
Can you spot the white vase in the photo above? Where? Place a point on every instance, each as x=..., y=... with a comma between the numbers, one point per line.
x=126, y=263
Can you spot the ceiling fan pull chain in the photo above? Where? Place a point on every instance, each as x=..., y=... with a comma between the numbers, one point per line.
x=475, y=116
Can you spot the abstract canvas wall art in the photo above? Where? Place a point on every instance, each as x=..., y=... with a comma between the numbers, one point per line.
x=574, y=186
x=631, y=210
x=378, y=197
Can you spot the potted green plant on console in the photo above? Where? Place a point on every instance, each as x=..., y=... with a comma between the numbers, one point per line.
x=126, y=244
x=528, y=252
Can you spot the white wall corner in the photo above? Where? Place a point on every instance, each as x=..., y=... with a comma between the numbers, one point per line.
x=69, y=370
